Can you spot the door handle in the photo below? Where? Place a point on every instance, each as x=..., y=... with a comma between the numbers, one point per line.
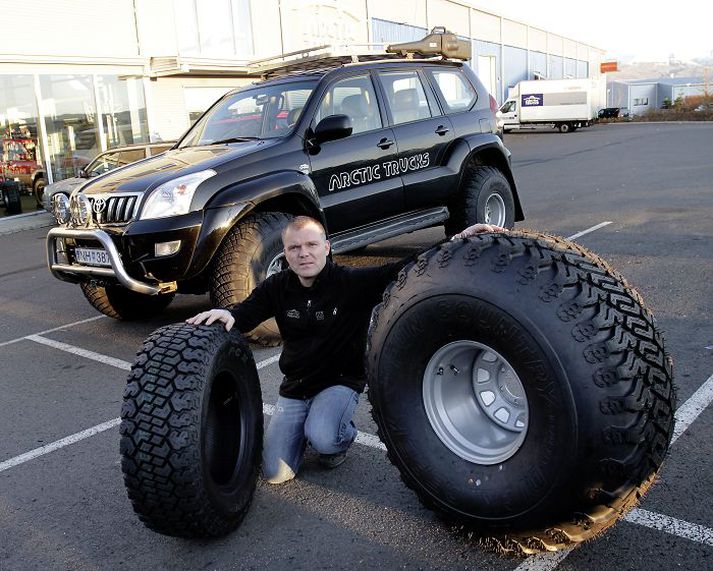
x=384, y=143
x=441, y=130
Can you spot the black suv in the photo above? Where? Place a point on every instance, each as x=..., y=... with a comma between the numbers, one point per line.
x=372, y=148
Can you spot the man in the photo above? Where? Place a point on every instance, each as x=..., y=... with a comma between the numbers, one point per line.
x=322, y=311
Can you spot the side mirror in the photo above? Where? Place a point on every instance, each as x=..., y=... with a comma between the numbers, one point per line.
x=332, y=128
x=83, y=173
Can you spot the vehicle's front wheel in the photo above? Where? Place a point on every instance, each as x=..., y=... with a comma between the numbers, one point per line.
x=38, y=189
x=521, y=388
x=191, y=431
x=120, y=303
x=485, y=196
x=250, y=252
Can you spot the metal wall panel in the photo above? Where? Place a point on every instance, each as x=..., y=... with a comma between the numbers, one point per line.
x=385, y=32
x=515, y=66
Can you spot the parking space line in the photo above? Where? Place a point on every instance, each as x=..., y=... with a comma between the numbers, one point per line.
x=588, y=230
x=118, y=363
x=671, y=525
x=543, y=561
x=61, y=327
x=57, y=444
x=695, y=405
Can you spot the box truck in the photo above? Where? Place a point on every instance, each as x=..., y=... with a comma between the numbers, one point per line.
x=564, y=104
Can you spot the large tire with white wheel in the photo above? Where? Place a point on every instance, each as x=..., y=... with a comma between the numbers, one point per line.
x=521, y=388
x=120, y=303
x=485, y=196
x=250, y=252
x=191, y=431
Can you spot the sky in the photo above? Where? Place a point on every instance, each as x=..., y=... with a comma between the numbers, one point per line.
x=638, y=31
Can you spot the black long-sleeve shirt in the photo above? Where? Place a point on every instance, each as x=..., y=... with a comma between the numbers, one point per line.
x=323, y=327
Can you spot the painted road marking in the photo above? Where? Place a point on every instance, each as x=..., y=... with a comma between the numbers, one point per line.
x=695, y=405
x=587, y=231
x=671, y=525
x=61, y=327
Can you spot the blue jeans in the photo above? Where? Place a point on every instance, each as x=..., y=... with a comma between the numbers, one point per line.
x=325, y=421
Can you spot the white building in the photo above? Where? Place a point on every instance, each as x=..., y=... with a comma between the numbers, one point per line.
x=80, y=76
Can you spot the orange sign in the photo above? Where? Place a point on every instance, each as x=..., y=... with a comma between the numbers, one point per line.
x=607, y=66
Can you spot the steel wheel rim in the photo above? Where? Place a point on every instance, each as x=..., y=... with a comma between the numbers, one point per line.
x=475, y=402
x=495, y=210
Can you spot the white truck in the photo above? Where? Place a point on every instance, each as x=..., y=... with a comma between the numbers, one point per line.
x=564, y=104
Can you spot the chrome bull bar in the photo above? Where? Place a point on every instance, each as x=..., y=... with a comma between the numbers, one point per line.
x=65, y=271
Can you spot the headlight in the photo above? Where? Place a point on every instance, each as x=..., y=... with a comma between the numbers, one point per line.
x=174, y=197
x=60, y=208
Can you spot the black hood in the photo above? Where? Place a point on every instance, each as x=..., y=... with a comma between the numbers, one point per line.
x=149, y=173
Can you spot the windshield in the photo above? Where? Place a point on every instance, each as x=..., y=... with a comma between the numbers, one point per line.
x=263, y=112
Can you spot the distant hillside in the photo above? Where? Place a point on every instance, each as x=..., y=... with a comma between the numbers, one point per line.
x=701, y=67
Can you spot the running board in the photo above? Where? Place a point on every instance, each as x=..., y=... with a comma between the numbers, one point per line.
x=410, y=222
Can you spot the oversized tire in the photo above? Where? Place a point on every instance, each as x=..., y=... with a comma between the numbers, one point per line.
x=250, y=252
x=521, y=388
x=120, y=303
x=191, y=431
x=485, y=196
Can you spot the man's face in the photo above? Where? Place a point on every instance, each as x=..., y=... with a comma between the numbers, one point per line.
x=306, y=251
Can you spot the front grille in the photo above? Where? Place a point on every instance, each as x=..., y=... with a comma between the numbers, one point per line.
x=116, y=209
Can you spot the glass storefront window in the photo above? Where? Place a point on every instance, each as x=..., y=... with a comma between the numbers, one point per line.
x=123, y=110
x=20, y=156
x=70, y=121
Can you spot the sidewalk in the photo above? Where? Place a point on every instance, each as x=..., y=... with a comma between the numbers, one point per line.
x=29, y=221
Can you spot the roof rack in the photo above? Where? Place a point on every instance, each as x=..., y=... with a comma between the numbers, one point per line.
x=439, y=44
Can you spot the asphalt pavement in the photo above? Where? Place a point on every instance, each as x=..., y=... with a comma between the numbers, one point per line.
x=640, y=195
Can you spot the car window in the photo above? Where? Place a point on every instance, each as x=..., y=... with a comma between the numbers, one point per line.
x=508, y=107
x=109, y=161
x=456, y=91
x=406, y=96
x=265, y=112
x=354, y=97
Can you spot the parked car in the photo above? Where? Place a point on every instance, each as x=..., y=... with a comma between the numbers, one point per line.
x=373, y=149
x=608, y=113
x=102, y=163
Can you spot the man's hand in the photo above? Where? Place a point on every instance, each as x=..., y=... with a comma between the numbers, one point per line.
x=477, y=229
x=209, y=317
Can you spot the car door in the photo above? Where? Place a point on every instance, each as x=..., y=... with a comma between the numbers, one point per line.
x=423, y=135
x=354, y=186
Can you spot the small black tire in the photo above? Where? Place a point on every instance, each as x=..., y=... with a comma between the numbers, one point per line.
x=485, y=196
x=191, y=431
x=38, y=190
x=117, y=302
x=250, y=252
x=521, y=388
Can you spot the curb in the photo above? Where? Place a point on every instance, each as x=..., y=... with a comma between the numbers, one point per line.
x=29, y=221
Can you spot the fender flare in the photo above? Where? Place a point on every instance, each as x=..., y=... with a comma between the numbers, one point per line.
x=492, y=147
x=227, y=207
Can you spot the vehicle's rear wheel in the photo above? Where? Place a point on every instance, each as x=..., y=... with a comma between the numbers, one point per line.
x=521, y=388
x=250, y=252
x=485, y=196
x=564, y=127
x=120, y=303
x=191, y=431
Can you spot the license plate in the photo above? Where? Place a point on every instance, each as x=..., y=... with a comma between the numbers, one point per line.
x=92, y=256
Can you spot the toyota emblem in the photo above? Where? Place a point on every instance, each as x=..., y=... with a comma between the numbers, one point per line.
x=98, y=206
